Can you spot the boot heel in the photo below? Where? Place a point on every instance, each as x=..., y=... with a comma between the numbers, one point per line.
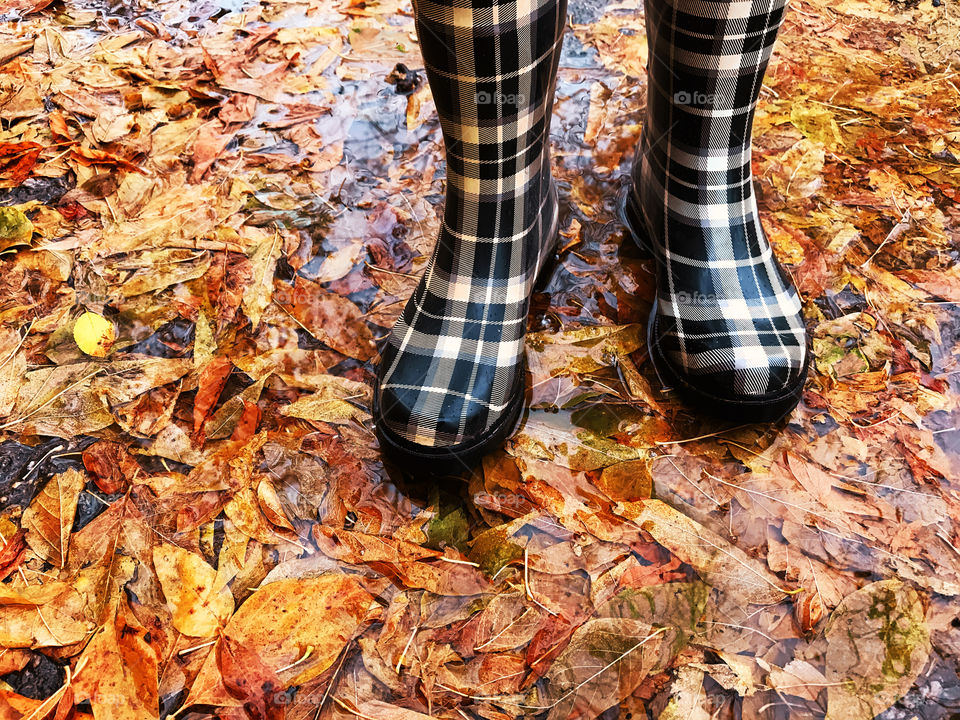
x=633, y=222
x=545, y=274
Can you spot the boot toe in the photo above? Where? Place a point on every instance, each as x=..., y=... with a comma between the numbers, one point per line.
x=439, y=411
x=754, y=384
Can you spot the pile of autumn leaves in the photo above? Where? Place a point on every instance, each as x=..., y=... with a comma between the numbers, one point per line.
x=151, y=605
x=125, y=606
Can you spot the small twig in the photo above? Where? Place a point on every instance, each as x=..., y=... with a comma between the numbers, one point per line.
x=403, y=654
x=185, y=651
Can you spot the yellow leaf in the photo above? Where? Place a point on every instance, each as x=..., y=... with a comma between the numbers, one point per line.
x=199, y=609
x=282, y=620
x=264, y=261
x=94, y=334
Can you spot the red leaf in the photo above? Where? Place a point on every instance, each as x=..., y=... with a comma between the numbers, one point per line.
x=247, y=425
x=111, y=466
x=209, y=386
x=12, y=554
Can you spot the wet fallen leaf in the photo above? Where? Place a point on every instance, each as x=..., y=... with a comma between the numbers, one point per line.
x=94, y=334
x=307, y=620
x=199, y=607
x=49, y=518
x=877, y=644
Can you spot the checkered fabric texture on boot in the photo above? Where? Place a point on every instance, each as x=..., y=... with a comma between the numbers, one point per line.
x=452, y=365
x=728, y=318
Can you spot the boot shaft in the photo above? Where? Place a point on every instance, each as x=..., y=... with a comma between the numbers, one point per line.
x=707, y=63
x=492, y=70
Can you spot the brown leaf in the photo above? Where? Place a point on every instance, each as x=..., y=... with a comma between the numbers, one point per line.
x=209, y=144
x=718, y=562
x=238, y=108
x=270, y=504
x=111, y=466
x=49, y=518
x=330, y=318
x=877, y=644
x=357, y=547
x=248, y=679
x=58, y=126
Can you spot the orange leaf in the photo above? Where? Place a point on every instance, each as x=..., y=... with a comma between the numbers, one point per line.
x=58, y=126
x=111, y=466
x=17, y=160
x=91, y=156
x=247, y=425
x=12, y=554
x=49, y=517
x=209, y=386
x=285, y=619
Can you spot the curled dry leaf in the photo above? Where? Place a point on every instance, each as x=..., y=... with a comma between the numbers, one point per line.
x=271, y=505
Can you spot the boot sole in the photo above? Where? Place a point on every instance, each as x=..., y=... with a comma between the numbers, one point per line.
x=769, y=407
x=452, y=459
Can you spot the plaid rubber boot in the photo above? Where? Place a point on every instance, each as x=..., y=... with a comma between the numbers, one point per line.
x=450, y=382
x=726, y=329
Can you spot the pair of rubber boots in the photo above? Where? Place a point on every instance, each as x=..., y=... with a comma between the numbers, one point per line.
x=725, y=331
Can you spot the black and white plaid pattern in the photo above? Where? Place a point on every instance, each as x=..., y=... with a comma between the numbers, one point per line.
x=728, y=319
x=452, y=364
